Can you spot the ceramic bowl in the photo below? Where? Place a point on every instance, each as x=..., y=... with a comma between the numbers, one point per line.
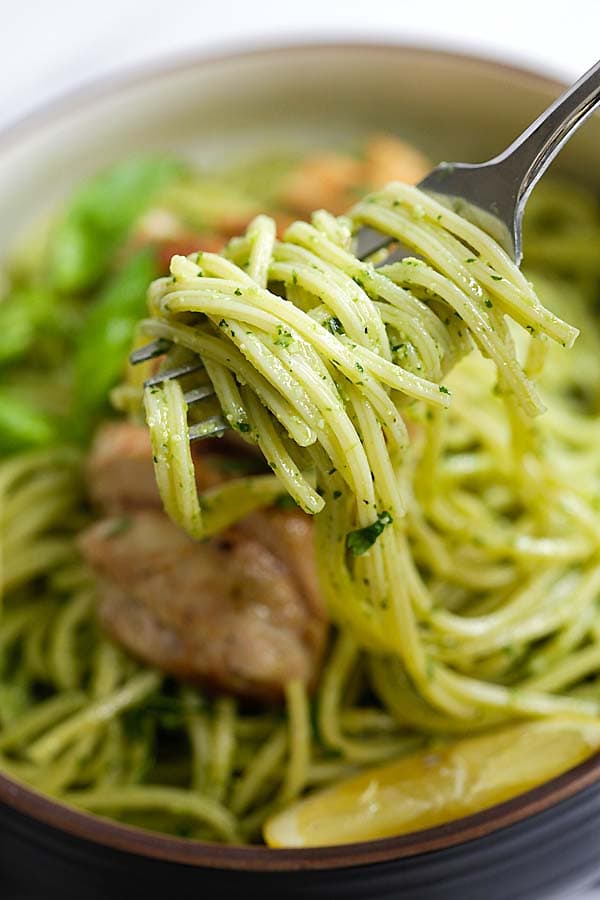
x=539, y=845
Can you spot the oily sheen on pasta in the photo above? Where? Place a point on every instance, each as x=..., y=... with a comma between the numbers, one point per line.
x=338, y=370
x=428, y=414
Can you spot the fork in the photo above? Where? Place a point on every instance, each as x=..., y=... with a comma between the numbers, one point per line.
x=491, y=194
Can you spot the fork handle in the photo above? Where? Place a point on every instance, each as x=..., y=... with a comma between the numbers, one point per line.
x=528, y=157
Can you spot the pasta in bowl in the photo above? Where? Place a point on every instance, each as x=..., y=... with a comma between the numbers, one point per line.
x=202, y=685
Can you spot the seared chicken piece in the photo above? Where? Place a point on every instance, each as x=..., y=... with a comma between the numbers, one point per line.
x=119, y=470
x=323, y=182
x=120, y=474
x=231, y=612
x=334, y=182
x=241, y=612
x=388, y=158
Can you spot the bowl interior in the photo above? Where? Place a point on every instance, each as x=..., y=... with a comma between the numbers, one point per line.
x=303, y=98
x=454, y=107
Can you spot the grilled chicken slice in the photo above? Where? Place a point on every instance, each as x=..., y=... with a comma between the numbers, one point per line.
x=241, y=612
x=334, y=181
x=120, y=474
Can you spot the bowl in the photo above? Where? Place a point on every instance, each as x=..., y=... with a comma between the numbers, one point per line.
x=541, y=844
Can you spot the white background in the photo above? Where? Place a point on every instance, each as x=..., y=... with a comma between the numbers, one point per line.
x=49, y=46
x=52, y=46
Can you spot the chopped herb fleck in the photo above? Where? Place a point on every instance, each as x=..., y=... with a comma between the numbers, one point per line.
x=359, y=541
x=444, y=389
x=243, y=426
x=238, y=465
x=489, y=304
x=284, y=501
x=334, y=325
x=237, y=292
x=284, y=338
x=337, y=495
x=118, y=526
x=496, y=277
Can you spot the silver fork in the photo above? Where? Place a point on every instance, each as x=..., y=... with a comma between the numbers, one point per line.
x=491, y=194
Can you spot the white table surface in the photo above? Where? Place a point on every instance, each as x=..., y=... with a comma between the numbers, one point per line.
x=53, y=46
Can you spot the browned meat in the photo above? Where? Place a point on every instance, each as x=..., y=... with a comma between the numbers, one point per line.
x=119, y=469
x=186, y=243
x=120, y=474
x=241, y=612
x=387, y=158
x=334, y=181
x=323, y=181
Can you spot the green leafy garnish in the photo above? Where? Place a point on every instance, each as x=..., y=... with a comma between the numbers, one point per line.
x=22, y=426
x=106, y=335
x=100, y=216
x=361, y=540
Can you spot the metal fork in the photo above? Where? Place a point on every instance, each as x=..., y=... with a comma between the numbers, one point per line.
x=491, y=194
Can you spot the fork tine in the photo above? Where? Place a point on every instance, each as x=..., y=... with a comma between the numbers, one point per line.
x=198, y=393
x=214, y=426
x=149, y=351
x=179, y=372
x=369, y=240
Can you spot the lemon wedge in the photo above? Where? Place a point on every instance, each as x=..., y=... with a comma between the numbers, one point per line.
x=436, y=786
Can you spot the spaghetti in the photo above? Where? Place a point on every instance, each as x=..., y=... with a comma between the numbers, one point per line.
x=324, y=380
x=458, y=533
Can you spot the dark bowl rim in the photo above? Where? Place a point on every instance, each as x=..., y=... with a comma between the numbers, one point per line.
x=127, y=839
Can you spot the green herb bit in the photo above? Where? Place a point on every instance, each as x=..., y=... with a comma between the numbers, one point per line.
x=334, y=325
x=118, y=526
x=361, y=540
x=284, y=501
x=284, y=338
x=444, y=390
